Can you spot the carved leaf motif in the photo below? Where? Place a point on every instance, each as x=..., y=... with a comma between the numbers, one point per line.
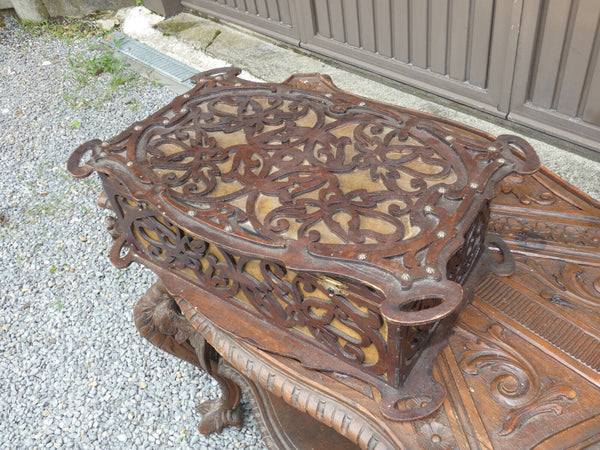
x=541, y=230
x=547, y=402
x=569, y=283
x=527, y=193
x=516, y=382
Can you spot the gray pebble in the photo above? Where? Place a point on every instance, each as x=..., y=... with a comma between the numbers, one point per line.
x=71, y=360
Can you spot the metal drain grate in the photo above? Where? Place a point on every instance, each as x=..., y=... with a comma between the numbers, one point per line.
x=153, y=59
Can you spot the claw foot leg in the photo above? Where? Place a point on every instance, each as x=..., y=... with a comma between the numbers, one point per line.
x=159, y=319
x=222, y=411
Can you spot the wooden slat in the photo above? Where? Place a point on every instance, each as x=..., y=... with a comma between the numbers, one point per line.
x=284, y=12
x=549, y=50
x=459, y=34
x=261, y=6
x=591, y=108
x=336, y=20
x=383, y=28
x=366, y=25
x=273, y=10
x=500, y=71
x=483, y=11
x=251, y=6
x=419, y=32
x=322, y=18
x=438, y=36
x=350, y=12
x=400, y=30
x=578, y=57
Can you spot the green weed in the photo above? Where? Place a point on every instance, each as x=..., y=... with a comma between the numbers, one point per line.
x=183, y=434
x=58, y=304
x=119, y=42
x=49, y=206
x=121, y=271
x=103, y=64
x=65, y=29
x=74, y=124
x=215, y=36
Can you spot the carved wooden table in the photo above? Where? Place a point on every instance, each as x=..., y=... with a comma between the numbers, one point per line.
x=317, y=250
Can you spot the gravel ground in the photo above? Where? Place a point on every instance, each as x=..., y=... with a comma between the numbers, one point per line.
x=74, y=372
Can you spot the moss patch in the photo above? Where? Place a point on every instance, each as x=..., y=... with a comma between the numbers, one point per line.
x=173, y=27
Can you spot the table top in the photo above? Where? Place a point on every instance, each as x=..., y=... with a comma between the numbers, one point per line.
x=522, y=368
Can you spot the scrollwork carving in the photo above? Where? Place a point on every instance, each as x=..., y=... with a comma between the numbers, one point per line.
x=567, y=283
x=526, y=192
x=545, y=230
x=516, y=381
x=550, y=399
x=344, y=177
x=513, y=380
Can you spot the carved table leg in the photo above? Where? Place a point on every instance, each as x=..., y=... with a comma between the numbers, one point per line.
x=159, y=319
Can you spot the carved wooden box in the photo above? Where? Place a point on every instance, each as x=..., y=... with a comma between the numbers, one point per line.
x=341, y=232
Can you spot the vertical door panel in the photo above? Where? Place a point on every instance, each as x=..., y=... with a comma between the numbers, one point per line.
x=579, y=53
x=459, y=34
x=322, y=18
x=419, y=32
x=438, y=36
x=366, y=25
x=336, y=20
x=551, y=37
x=350, y=13
x=383, y=28
x=273, y=10
x=400, y=31
x=261, y=7
x=591, y=110
x=483, y=11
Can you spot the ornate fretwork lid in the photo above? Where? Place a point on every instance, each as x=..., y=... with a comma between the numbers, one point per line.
x=312, y=175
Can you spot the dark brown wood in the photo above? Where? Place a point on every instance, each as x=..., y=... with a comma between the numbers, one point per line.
x=159, y=320
x=346, y=233
x=244, y=295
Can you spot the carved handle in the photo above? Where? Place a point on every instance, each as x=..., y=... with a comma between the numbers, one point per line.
x=506, y=267
x=520, y=153
x=227, y=71
x=414, y=309
x=74, y=164
x=115, y=253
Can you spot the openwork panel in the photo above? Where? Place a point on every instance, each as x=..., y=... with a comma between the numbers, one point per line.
x=466, y=257
x=282, y=164
x=341, y=318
